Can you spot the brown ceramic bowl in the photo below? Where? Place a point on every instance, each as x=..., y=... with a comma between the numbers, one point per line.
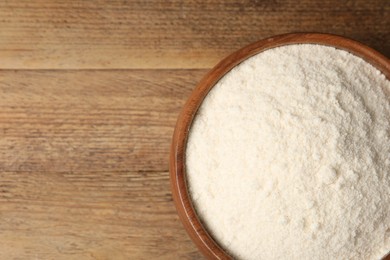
x=181, y=196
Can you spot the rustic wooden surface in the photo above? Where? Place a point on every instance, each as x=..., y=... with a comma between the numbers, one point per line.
x=169, y=34
x=89, y=95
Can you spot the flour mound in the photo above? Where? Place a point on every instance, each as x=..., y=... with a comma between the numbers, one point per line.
x=289, y=157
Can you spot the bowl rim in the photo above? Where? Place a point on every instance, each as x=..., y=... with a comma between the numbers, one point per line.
x=182, y=200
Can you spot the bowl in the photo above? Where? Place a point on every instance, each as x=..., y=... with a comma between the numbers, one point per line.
x=182, y=199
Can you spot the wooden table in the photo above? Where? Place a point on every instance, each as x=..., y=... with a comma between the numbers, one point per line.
x=89, y=95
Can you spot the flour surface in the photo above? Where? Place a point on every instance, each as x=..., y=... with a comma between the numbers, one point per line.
x=289, y=157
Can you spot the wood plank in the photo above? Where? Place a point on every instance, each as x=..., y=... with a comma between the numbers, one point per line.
x=90, y=215
x=61, y=121
x=83, y=164
x=73, y=34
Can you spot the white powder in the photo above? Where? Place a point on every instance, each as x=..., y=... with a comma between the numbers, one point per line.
x=289, y=157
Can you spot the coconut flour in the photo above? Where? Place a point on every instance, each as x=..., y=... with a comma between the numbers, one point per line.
x=289, y=157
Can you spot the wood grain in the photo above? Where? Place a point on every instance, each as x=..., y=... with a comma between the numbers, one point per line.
x=90, y=215
x=83, y=164
x=47, y=34
x=90, y=120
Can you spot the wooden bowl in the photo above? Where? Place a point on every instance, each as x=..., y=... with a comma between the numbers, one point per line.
x=181, y=196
